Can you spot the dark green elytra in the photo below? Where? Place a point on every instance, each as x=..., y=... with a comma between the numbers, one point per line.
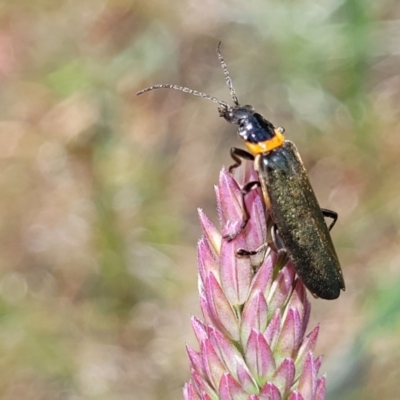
x=299, y=219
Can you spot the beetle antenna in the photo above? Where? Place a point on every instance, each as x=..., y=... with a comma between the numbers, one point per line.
x=228, y=79
x=186, y=90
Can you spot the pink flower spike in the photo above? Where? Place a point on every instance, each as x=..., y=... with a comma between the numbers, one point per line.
x=257, y=227
x=206, y=260
x=199, y=328
x=245, y=379
x=320, y=390
x=196, y=361
x=282, y=287
x=189, y=393
x=235, y=272
x=288, y=339
x=298, y=300
x=273, y=330
x=259, y=357
x=226, y=350
x=308, y=345
x=252, y=344
x=232, y=359
x=212, y=236
x=201, y=386
x=263, y=278
x=317, y=363
x=213, y=366
x=284, y=376
x=308, y=379
x=269, y=392
x=254, y=316
x=230, y=205
x=205, y=309
x=220, y=309
x=296, y=396
x=229, y=389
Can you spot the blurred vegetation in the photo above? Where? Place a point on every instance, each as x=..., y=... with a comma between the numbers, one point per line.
x=99, y=188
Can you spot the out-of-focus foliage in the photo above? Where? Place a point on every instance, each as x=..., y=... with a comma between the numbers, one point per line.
x=99, y=188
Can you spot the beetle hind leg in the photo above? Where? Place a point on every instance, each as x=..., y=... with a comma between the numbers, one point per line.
x=330, y=214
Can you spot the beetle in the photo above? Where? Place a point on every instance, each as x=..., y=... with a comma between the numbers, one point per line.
x=299, y=228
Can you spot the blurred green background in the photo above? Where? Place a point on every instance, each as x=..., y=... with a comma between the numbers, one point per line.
x=99, y=187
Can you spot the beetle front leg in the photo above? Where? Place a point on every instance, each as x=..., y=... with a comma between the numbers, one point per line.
x=238, y=155
x=246, y=215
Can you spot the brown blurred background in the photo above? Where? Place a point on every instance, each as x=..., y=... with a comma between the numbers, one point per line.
x=99, y=188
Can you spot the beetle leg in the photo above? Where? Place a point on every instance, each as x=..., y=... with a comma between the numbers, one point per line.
x=276, y=245
x=279, y=248
x=246, y=189
x=276, y=240
x=249, y=253
x=238, y=155
x=268, y=243
x=330, y=214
